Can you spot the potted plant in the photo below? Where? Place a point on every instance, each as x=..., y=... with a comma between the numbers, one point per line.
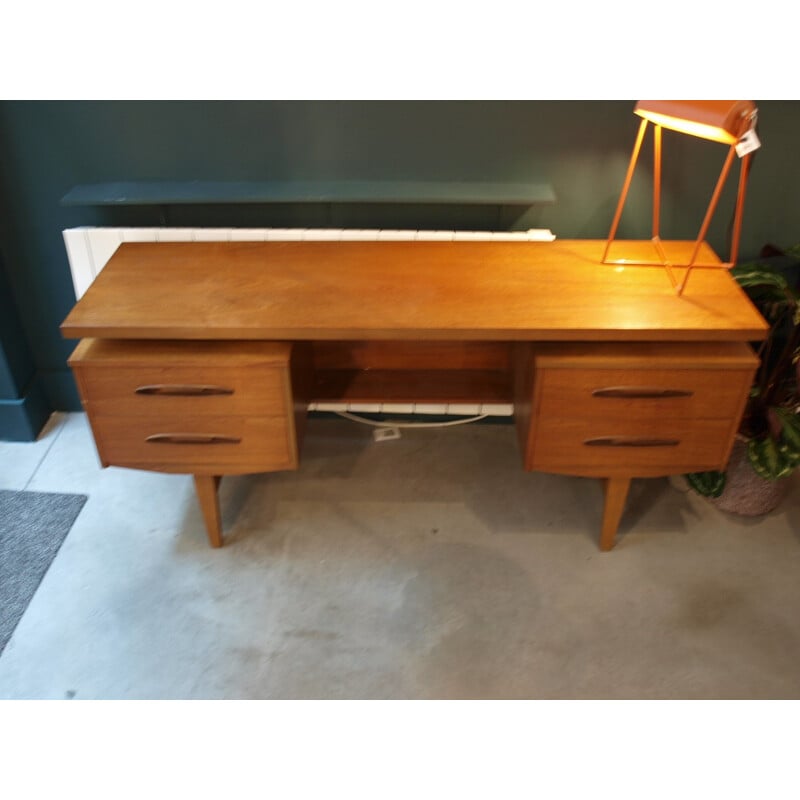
x=767, y=449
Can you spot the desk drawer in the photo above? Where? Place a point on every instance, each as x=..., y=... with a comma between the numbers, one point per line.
x=153, y=378
x=643, y=394
x=208, y=407
x=618, y=409
x=594, y=447
x=211, y=390
x=200, y=444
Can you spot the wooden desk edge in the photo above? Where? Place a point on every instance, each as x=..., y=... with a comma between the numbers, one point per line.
x=73, y=331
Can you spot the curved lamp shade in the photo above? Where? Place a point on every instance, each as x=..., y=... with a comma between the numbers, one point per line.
x=723, y=121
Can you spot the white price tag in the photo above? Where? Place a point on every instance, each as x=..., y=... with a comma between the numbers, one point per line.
x=748, y=143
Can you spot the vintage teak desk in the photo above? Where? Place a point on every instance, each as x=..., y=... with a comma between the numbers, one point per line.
x=202, y=358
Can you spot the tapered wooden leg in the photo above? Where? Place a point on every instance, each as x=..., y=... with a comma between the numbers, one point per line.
x=616, y=494
x=206, y=488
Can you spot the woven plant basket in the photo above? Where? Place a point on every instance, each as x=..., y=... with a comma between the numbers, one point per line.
x=745, y=492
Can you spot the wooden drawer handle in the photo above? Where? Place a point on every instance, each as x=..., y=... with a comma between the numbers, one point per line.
x=191, y=438
x=630, y=441
x=640, y=392
x=184, y=390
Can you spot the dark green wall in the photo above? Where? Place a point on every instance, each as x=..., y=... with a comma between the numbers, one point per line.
x=24, y=408
x=580, y=147
x=16, y=360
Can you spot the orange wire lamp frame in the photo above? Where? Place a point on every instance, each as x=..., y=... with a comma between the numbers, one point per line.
x=724, y=121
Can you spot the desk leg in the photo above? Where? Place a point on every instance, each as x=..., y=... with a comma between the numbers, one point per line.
x=206, y=488
x=616, y=492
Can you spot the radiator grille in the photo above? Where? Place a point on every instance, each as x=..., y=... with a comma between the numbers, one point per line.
x=89, y=249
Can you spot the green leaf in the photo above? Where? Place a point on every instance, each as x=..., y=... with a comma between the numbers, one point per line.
x=767, y=460
x=790, y=427
x=707, y=484
x=791, y=455
x=748, y=276
x=767, y=286
x=793, y=251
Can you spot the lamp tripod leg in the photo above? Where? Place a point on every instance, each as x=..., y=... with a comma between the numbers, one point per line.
x=744, y=173
x=625, y=187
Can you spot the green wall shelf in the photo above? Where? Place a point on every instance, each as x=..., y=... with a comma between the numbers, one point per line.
x=143, y=193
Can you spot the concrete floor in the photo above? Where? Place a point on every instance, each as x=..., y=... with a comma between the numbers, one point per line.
x=428, y=567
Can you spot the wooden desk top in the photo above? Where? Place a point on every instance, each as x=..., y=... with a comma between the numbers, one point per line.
x=478, y=291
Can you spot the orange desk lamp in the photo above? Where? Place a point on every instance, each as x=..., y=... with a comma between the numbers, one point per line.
x=729, y=122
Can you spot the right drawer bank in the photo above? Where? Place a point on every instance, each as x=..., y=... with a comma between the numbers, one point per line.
x=630, y=409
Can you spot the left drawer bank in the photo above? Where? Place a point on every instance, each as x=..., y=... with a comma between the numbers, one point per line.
x=202, y=408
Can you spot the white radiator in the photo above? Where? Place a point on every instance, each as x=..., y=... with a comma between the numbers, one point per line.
x=89, y=249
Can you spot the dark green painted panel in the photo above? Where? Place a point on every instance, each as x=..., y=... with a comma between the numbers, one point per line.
x=144, y=193
x=60, y=389
x=16, y=360
x=8, y=388
x=23, y=418
x=24, y=407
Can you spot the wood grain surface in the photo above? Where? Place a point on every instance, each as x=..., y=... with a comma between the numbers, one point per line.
x=504, y=291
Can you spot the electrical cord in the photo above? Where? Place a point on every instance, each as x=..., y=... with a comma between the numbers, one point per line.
x=387, y=424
